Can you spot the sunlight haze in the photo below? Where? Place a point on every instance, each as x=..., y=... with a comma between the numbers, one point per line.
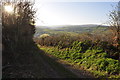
x=72, y=13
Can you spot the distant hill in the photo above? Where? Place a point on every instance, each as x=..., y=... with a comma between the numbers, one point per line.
x=72, y=29
x=82, y=28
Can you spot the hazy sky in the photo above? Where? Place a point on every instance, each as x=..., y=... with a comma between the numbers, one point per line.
x=75, y=13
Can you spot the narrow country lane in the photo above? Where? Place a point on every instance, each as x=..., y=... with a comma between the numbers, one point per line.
x=38, y=65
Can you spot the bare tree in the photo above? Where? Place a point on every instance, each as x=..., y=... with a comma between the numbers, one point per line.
x=114, y=21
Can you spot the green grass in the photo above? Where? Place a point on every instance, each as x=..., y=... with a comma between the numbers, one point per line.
x=95, y=60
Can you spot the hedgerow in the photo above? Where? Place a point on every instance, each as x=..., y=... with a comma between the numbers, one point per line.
x=89, y=57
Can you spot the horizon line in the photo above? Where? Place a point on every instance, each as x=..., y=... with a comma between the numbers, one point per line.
x=72, y=24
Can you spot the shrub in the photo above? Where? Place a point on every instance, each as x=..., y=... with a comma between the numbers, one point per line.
x=113, y=66
x=92, y=58
x=81, y=46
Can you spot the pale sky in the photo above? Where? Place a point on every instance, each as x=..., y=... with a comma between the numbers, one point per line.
x=72, y=13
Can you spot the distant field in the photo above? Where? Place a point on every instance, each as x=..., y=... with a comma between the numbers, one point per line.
x=72, y=30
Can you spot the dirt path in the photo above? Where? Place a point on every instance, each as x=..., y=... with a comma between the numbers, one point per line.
x=75, y=69
x=52, y=69
x=37, y=64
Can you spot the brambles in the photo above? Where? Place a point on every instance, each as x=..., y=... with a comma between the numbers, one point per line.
x=80, y=46
x=60, y=41
x=88, y=54
x=92, y=60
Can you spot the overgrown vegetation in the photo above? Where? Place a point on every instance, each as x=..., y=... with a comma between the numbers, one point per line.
x=87, y=41
x=17, y=30
x=93, y=54
x=93, y=59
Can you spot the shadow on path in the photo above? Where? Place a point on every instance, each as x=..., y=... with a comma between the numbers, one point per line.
x=33, y=64
x=75, y=69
